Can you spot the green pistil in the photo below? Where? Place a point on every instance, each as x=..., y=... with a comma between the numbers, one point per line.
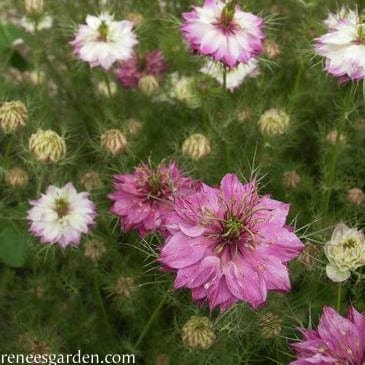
x=155, y=183
x=62, y=208
x=103, y=31
x=232, y=227
x=350, y=243
x=228, y=13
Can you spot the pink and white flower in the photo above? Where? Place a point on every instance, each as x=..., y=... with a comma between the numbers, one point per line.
x=336, y=341
x=61, y=215
x=234, y=76
x=102, y=41
x=223, y=31
x=143, y=199
x=344, y=45
x=229, y=244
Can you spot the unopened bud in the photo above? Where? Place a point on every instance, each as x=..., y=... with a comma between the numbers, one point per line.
x=91, y=181
x=356, y=196
x=272, y=48
x=274, y=122
x=270, y=325
x=332, y=137
x=13, y=116
x=124, y=287
x=94, y=250
x=309, y=255
x=148, y=84
x=47, y=146
x=197, y=146
x=34, y=6
x=198, y=333
x=17, y=178
x=114, y=141
x=162, y=359
x=243, y=115
x=135, y=18
x=134, y=126
x=291, y=179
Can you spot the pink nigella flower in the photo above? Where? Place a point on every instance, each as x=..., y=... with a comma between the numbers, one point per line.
x=225, y=32
x=143, y=199
x=344, y=45
x=336, y=341
x=131, y=71
x=229, y=244
x=61, y=215
x=102, y=41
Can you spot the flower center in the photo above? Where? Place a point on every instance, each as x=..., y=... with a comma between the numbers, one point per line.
x=103, y=31
x=228, y=13
x=154, y=182
x=350, y=243
x=231, y=232
x=232, y=228
x=62, y=207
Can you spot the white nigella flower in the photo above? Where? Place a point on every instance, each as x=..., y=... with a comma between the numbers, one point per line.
x=103, y=41
x=235, y=75
x=61, y=215
x=345, y=252
x=343, y=46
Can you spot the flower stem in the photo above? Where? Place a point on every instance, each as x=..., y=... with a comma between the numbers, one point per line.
x=339, y=294
x=329, y=180
x=8, y=147
x=151, y=320
x=224, y=78
x=101, y=304
x=107, y=81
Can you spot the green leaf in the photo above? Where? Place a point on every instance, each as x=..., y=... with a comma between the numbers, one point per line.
x=13, y=246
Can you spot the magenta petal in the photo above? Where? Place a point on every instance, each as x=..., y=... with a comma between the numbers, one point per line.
x=276, y=274
x=253, y=282
x=339, y=333
x=217, y=292
x=234, y=279
x=181, y=251
x=196, y=275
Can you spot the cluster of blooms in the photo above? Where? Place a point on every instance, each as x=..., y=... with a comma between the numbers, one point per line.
x=231, y=37
x=104, y=42
x=225, y=244
x=221, y=30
